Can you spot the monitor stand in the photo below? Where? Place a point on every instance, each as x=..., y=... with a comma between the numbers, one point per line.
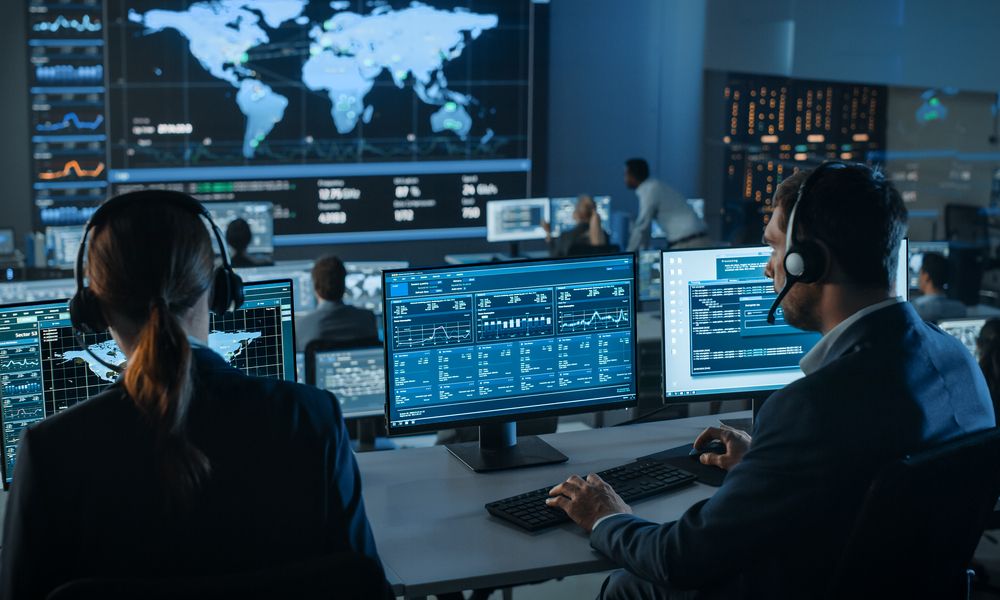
x=514, y=250
x=499, y=448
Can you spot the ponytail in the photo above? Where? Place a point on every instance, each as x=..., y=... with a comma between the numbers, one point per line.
x=151, y=264
x=159, y=381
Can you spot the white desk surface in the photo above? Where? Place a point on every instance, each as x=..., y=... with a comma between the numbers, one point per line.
x=434, y=534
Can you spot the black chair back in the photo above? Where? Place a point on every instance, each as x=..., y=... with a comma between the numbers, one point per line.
x=340, y=576
x=921, y=521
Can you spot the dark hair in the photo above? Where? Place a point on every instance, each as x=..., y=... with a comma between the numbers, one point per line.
x=329, y=275
x=988, y=345
x=936, y=267
x=238, y=235
x=858, y=214
x=638, y=167
x=152, y=261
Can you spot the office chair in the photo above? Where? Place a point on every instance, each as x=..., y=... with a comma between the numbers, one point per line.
x=342, y=576
x=920, y=523
x=588, y=250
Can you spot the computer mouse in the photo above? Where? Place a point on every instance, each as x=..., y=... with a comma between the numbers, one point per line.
x=715, y=447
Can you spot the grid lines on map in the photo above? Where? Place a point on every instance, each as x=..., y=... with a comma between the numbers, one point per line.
x=261, y=356
x=67, y=380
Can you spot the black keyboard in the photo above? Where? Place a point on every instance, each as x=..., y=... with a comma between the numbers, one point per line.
x=633, y=481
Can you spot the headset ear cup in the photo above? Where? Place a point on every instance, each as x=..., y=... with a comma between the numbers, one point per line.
x=85, y=312
x=227, y=291
x=221, y=292
x=813, y=259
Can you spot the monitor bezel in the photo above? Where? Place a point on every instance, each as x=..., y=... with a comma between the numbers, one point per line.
x=291, y=308
x=317, y=346
x=424, y=428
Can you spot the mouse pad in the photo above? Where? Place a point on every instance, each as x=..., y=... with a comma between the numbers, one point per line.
x=678, y=457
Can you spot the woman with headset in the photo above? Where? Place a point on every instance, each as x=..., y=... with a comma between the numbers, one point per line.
x=185, y=466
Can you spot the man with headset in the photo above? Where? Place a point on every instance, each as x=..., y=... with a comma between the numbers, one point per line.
x=879, y=384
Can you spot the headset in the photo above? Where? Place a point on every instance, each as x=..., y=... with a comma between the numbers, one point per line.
x=805, y=260
x=84, y=309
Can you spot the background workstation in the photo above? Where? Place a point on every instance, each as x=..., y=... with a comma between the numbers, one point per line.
x=592, y=84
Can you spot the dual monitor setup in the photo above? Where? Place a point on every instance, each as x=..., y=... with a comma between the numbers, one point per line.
x=521, y=220
x=470, y=345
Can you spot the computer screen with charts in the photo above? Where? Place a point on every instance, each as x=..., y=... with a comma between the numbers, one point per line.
x=716, y=338
x=481, y=343
x=516, y=220
x=964, y=330
x=356, y=376
x=561, y=210
x=44, y=371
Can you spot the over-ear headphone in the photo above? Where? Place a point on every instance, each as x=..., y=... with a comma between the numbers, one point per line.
x=805, y=261
x=227, y=286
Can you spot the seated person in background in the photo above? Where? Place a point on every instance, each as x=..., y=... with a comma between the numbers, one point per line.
x=333, y=321
x=934, y=305
x=988, y=349
x=881, y=383
x=587, y=233
x=238, y=238
x=185, y=466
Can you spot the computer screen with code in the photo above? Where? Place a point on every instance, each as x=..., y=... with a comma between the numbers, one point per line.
x=470, y=343
x=716, y=338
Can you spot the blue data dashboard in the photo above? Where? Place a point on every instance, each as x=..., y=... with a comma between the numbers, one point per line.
x=717, y=340
x=467, y=344
x=359, y=121
x=44, y=370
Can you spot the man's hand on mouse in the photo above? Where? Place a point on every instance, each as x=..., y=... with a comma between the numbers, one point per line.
x=586, y=500
x=737, y=443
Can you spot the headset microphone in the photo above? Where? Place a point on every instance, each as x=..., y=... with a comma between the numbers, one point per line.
x=777, y=301
x=804, y=260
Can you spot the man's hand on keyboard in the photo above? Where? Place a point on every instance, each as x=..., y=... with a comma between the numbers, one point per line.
x=586, y=501
x=737, y=443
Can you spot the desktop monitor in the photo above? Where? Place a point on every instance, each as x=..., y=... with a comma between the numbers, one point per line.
x=516, y=220
x=299, y=271
x=649, y=275
x=6, y=241
x=491, y=344
x=353, y=373
x=916, y=258
x=258, y=215
x=44, y=371
x=14, y=292
x=62, y=244
x=561, y=210
x=965, y=331
x=717, y=343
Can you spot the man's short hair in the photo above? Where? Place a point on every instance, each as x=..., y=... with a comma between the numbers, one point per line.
x=638, y=167
x=857, y=213
x=936, y=267
x=238, y=235
x=329, y=276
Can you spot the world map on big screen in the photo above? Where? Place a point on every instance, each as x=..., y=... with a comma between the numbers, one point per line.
x=227, y=345
x=347, y=53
